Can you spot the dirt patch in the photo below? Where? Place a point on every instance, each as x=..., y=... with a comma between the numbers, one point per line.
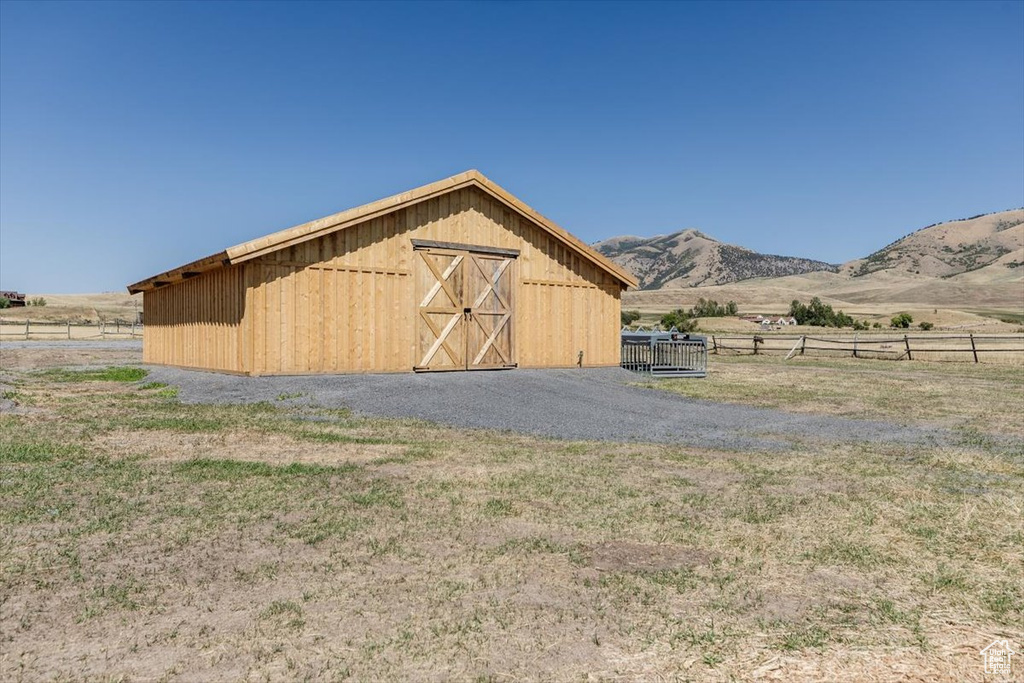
x=624, y=556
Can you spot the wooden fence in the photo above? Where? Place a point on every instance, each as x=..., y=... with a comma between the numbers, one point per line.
x=26, y=329
x=963, y=347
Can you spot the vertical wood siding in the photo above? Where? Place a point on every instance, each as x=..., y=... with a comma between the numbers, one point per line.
x=196, y=323
x=345, y=302
x=323, y=318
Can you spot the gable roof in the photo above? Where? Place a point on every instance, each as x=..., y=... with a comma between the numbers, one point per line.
x=345, y=219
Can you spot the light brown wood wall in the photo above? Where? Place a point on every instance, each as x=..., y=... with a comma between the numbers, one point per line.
x=345, y=302
x=196, y=323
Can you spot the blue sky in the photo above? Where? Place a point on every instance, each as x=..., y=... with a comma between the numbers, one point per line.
x=135, y=137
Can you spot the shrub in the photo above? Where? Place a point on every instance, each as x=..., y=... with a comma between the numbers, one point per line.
x=860, y=324
x=679, y=319
x=5, y=302
x=38, y=301
x=629, y=317
x=877, y=326
x=926, y=325
x=901, y=321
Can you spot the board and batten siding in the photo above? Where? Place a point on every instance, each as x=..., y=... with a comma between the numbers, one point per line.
x=344, y=302
x=197, y=323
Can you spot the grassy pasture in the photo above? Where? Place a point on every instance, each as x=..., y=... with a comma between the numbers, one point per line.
x=963, y=396
x=146, y=539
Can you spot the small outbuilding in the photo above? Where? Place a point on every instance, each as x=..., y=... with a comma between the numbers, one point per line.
x=455, y=275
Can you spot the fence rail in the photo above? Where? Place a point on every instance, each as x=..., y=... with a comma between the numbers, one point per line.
x=26, y=329
x=965, y=347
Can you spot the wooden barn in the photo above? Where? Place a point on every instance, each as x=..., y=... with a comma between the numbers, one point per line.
x=455, y=275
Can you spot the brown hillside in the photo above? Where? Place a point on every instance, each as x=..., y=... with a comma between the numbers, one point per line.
x=950, y=249
x=691, y=259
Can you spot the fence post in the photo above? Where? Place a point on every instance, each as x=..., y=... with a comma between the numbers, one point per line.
x=906, y=340
x=26, y=329
x=855, y=334
x=974, y=348
x=118, y=323
x=803, y=343
x=756, y=341
x=800, y=342
x=714, y=344
x=69, y=329
x=103, y=329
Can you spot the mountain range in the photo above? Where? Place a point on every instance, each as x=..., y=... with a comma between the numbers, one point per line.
x=980, y=249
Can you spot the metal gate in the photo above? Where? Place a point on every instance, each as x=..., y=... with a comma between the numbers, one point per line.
x=665, y=354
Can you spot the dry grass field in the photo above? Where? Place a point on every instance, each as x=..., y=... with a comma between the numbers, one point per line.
x=78, y=308
x=147, y=539
x=990, y=307
x=984, y=399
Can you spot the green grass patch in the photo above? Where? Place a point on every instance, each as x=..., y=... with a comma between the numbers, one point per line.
x=111, y=374
x=185, y=423
x=35, y=451
x=1005, y=600
x=229, y=470
x=804, y=638
x=497, y=507
x=845, y=552
x=279, y=607
x=20, y=443
x=380, y=493
x=335, y=437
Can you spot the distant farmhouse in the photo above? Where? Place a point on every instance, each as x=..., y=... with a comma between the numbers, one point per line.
x=769, y=322
x=16, y=298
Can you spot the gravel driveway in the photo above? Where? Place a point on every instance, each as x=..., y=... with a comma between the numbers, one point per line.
x=589, y=404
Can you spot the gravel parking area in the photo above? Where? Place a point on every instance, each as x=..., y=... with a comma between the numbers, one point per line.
x=589, y=404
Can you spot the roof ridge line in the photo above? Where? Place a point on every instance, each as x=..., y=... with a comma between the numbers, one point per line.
x=343, y=219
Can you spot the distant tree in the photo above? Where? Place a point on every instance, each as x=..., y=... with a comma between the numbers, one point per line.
x=818, y=314
x=5, y=302
x=709, y=308
x=798, y=311
x=925, y=325
x=679, y=319
x=860, y=324
x=629, y=317
x=901, y=321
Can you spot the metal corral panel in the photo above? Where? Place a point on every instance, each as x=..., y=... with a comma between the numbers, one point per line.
x=665, y=354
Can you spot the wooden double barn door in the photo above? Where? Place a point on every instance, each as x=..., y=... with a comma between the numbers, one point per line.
x=466, y=307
